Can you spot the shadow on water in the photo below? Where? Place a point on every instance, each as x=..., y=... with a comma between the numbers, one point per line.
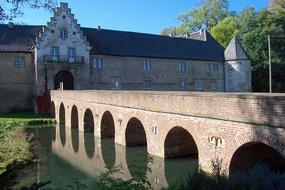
x=108, y=152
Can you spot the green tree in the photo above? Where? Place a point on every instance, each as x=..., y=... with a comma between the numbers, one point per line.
x=278, y=6
x=10, y=9
x=254, y=30
x=206, y=16
x=225, y=30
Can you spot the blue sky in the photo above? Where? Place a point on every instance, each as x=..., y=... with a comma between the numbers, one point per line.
x=149, y=16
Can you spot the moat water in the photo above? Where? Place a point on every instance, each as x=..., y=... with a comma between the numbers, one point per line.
x=66, y=156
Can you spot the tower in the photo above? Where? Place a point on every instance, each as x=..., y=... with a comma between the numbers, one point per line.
x=237, y=68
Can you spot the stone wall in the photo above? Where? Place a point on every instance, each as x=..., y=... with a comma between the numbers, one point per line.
x=16, y=83
x=164, y=74
x=238, y=76
x=50, y=37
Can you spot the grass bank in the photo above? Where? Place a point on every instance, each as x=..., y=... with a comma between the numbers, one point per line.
x=15, y=148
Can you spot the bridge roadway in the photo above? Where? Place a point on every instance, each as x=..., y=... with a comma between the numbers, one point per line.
x=238, y=129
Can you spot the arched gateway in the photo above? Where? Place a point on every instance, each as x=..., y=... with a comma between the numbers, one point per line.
x=66, y=78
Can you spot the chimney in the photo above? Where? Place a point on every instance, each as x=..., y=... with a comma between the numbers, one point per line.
x=10, y=24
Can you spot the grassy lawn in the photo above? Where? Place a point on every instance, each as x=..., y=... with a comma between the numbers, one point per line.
x=14, y=144
x=24, y=119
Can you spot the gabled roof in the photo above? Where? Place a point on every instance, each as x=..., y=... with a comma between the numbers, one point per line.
x=119, y=43
x=235, y=51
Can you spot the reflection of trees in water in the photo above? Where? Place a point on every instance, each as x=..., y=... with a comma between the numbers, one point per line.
x=62, y=133
x=179, y=168
x=137, y=160
x=108, y=152
x=89, y=143
x=75, y=139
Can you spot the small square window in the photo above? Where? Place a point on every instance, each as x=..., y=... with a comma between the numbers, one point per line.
x=115, y=83
x=181, y=67
x=208, y=67
x=182, y=85
x=19, y=61
x=147, y=84
x=63, y=16
x=215, y=67
x=52, y=31
x=199, y=84
x=97, y=63
x=147, y=65
x=214, y=85
x=63, y=33
x=231, y=69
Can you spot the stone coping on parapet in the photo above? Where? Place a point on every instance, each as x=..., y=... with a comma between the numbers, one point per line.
x=253, y=108
x=242, y=95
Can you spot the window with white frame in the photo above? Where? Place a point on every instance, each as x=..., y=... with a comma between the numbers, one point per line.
x=214, y=85
x=19, y=61
x=216, y=67
x=97, y=63
x=147, y=65
x=71, y=55
x=115, y=83
x=63, y=33
x=199, y=84
x=208, y=67
x=147, y=84
x=54, y=53
x=182, y=67
x=231, y=69
x=182, y=85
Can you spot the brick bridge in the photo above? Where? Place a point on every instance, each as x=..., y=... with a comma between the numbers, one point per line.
x=239, y=129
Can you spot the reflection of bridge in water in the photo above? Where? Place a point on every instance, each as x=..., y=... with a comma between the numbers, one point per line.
x=240, y=129
x=92, y=156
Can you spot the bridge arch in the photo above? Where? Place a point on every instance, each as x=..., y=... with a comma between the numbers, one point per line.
x=135, y=134
x=61, y=114
x=62, y=129
x=74, y=128
x=107, y=125
x=107, y=130
x=252, y=153
x=89, y=138
x=88, y=121
x=179, y=143
x=52, y=109
x=74, y=117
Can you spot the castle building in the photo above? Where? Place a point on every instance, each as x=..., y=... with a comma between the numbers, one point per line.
x=37, y=59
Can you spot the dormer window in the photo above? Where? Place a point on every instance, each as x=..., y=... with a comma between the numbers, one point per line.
x=63, y=33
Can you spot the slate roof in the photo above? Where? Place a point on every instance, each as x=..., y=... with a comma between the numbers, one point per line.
x=19, y=38
x=235, y=51
x=119, y=43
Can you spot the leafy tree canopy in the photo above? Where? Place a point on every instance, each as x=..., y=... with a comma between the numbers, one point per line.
x=252, y=28
x=206, y=16
x=278, y=6
x=10, y=9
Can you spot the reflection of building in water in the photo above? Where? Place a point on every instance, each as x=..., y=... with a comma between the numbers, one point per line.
x=108, y=154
